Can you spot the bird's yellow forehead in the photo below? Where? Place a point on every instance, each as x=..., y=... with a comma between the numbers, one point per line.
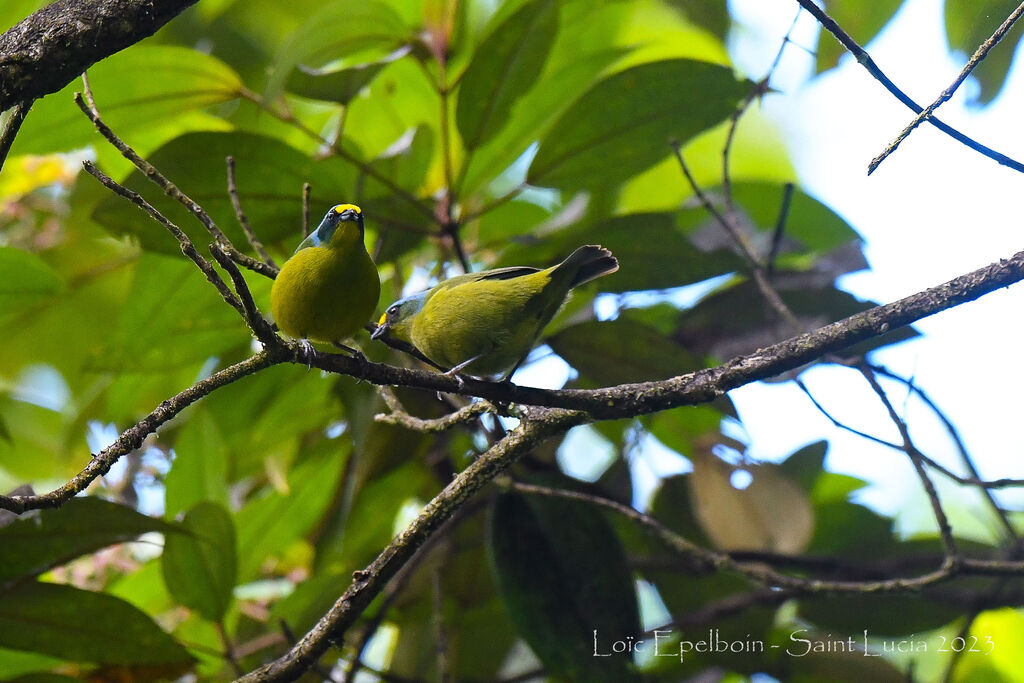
x=341, y=208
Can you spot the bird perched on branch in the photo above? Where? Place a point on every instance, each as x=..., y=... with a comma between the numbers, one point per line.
x=329, y=288
x=486, y=323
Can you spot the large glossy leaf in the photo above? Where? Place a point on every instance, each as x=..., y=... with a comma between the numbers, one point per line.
x=710, y=14
x=173, y=318
x=337, y=30
x=968, y=24
x=137, y=91
x=200, y=468
x=269, y=523
x=270, y=178
x=563, y=576
x=504, y=66
x=338, y=85
x=617, y=351
x=626, y=122
x=200, y=567
x=82, y=626
x=49, y=538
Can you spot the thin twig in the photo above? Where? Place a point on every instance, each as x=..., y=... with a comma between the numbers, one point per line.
x=440, y=633
x=187, y=247
x=229, y=649
x=975, y=479
x=88, y=107
x=11, y=128
x=974, y=61
x=259, y=326
x=757, y=270
x=864, y=59
x=287, y=117
x=307, y=191
x=464, y=415
x=243, y=220
x=780, y=228
x=945, y=531
x=133, y=437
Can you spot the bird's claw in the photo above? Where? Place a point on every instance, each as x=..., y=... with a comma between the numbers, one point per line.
x=359, y=358
x=308, y=352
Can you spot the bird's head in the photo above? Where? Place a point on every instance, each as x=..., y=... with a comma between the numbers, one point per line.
x=397, y=319
x=347, y=217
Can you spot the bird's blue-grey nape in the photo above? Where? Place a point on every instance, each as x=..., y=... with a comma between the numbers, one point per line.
x=334, y=216
x=411, y=304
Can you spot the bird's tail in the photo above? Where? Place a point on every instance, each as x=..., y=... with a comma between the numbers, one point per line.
x=588, y=263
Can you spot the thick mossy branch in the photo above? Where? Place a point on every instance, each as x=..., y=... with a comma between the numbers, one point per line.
x=538, y=424
x=52, y=47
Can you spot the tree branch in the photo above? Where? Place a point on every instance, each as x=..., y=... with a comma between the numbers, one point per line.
x=537, y=425
x=864, y=59
x=50, y=48
x=973, y=62
x=132, y=438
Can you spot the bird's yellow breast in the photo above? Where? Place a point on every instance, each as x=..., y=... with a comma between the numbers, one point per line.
x=325, y=293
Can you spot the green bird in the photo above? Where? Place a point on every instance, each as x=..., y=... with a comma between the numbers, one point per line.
x=486, y=323
x=329, y=288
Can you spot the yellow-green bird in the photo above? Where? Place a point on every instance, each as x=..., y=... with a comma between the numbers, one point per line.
x=329, y=288
x=487, y=322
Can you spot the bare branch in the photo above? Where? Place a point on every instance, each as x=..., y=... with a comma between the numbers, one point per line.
x=132, y=438
x=11, y=128
x=830, y=25
x=243, y=220
x=973, y=62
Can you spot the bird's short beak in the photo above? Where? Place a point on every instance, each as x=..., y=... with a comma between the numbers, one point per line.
x=382, y=328
x=349, y=215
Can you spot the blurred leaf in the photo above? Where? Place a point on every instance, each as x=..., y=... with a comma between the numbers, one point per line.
x=172, y=318
x=199, y=470
x=770, y=514
x=880, y=615
x=625, y=123
x=1000, y=637
x=850, y=530
x=617, y=351
x=735, y=320
x=504, y=66
x=861, y=21
x=804, y=466
x=682, y=429
x=338, y=29
x=584, y=585
x=82, y=626
x=49, y=538
x=200, y=568
x=710, y=14
x=13, y=11
x=269, y=523
x=672, y=504
x=270, y=175
x=20, y=662
x=405, y=164
x=338, y=85
x=138, y=91
x=969, y=23
x=835, y=667
x=25, y=279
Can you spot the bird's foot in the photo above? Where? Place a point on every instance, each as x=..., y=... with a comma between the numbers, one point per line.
x=308, y=352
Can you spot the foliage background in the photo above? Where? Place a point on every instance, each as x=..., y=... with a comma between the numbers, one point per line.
x=284, y=479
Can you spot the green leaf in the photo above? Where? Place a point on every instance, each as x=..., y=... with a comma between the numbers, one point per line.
x=504, y=66
x=268, y=524
x=626, y=122
x=84, y=626
x=618, y=351
x=49, y=538
x=969, y=23
x=173, y=318
x=336, y=30
x=881, y=615
x=710, y=14
x=137, y=90
x=338, y=85
x=25, y=280
x=200, y=568
x=200, y=468
x=270, y=176
x=563, y=576
x=862, y=21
